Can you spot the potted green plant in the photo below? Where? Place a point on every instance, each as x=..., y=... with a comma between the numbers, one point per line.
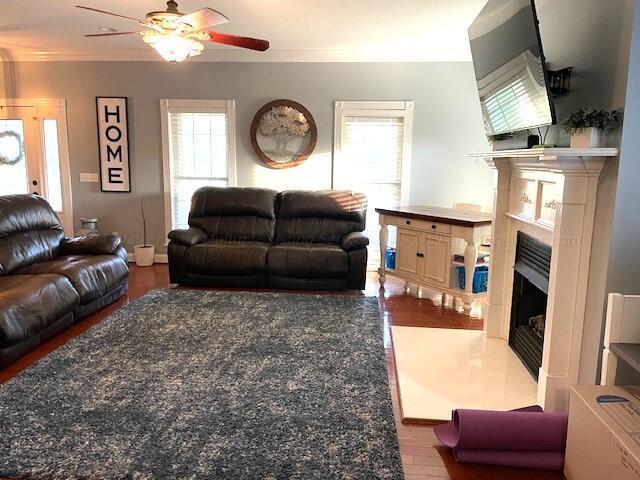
x=588, y=126
x=144, y=253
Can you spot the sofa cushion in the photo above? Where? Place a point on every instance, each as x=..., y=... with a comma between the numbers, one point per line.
x=30, y=303
x=93, y=276
x=307, y=260
x=30, y=231
x=222, y=257
x=319, y=216
x=246, y=214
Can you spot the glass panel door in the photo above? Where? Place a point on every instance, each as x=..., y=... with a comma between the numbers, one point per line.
x=34, y=156
x=14, y=176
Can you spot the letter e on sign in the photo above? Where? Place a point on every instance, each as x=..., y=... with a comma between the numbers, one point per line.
x=113, y=144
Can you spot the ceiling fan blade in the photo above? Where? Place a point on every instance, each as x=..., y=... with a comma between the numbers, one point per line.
x=236, y=41
x=110, y=34
x=203, y=18
x=109, y=13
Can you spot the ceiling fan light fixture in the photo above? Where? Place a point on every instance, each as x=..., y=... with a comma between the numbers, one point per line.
x=171, y=46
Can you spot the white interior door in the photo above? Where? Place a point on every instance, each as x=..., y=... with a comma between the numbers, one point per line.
x=34, y=154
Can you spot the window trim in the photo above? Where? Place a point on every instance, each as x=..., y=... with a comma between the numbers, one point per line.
x=382, y=108
x=228, y=107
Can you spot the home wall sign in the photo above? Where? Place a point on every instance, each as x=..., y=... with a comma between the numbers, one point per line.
x=113, y=144
x=283, y=134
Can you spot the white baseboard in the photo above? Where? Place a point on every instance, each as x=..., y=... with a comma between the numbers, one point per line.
x=157, y=258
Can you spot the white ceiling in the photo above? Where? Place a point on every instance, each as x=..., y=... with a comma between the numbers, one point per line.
x=298, y=30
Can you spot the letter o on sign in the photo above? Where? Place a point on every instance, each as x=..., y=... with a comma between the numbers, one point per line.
x=111, y=129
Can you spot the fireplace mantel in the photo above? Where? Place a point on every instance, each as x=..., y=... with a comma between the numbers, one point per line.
x=551, y=159
x=550, y=194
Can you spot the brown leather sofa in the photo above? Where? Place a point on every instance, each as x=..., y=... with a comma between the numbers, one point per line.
x=251, y=237
x=48, y=281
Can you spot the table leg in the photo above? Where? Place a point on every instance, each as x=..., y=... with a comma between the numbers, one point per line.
x=384, y=237
x=470, y=259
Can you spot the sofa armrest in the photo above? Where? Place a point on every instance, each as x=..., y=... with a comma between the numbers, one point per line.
x=354, y=241
x=187, y=237
x=90, y=245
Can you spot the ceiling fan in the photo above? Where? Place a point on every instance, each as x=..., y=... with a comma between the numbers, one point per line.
x=177, y=36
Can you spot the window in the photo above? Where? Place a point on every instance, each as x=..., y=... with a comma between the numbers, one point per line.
x=198, y=143
x=372, y=155
x=52, y=163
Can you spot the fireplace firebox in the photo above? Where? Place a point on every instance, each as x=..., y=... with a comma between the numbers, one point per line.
x=529, y=301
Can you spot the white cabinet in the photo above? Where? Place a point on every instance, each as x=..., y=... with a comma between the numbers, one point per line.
x=424, y=253
x=435, y=259
x=407, y=253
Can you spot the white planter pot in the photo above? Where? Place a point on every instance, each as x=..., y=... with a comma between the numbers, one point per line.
x=144, y=255
x=589, y=138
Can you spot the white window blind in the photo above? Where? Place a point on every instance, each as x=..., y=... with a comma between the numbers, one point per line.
x=198, y=156
x=519, y=101
x=371, y=161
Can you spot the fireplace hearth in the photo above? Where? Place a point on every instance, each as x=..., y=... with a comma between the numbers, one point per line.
x=529, y=301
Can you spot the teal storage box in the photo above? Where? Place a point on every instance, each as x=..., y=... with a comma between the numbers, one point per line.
x=390, y=258
x=480, y=278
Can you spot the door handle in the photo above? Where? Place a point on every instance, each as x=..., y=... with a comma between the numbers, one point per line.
x=421, y=255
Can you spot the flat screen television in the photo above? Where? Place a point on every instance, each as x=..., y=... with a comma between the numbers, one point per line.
x=510, y=67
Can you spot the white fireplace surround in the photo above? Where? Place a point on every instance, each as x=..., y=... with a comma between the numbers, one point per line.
x=549, y=194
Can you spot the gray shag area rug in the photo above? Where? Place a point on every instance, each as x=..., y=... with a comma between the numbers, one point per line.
x=193, y=384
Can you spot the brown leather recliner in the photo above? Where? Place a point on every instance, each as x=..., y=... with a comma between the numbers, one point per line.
x=250, y=237
x=48, y=281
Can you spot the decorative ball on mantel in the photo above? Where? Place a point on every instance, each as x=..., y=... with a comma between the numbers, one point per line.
x=283, y=134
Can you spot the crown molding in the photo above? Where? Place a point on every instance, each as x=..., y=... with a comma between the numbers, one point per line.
x=371, y=54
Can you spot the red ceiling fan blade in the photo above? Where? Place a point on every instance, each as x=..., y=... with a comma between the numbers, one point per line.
x=203, y=18
x=236, y=41
x=110, y=34
x=109, y=13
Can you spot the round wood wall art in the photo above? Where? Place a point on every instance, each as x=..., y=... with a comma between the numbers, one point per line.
x=283, y=134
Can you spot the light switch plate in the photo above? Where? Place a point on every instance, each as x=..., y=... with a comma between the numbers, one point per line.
x=89, y=178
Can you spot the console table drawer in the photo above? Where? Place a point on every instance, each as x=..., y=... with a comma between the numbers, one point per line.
x=419, y=225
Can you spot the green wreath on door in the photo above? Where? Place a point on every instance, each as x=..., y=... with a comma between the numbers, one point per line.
x=5, y=159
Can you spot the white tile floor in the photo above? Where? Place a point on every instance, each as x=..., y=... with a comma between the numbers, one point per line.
x=442, y=369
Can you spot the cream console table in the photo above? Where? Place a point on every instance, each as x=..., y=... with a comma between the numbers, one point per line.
x=424, y=247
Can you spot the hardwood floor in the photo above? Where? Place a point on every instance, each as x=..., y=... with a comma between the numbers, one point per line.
x=423, y=457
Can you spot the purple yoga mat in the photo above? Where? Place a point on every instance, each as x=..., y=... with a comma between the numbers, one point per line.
x=510, y=458
x=526, y=437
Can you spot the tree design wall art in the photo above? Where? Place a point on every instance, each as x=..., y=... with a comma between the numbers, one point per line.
x=283, y=134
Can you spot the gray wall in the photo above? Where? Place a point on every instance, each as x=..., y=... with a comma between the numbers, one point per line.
x=447, y=124
x=624, y=257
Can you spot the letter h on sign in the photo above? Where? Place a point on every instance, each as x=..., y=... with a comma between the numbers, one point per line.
x=113, y=144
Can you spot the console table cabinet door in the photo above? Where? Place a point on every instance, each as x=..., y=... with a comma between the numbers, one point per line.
x=407, y=253
x=436, y=263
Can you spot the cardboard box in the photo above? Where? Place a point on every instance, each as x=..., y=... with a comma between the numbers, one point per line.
x=603, y=441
